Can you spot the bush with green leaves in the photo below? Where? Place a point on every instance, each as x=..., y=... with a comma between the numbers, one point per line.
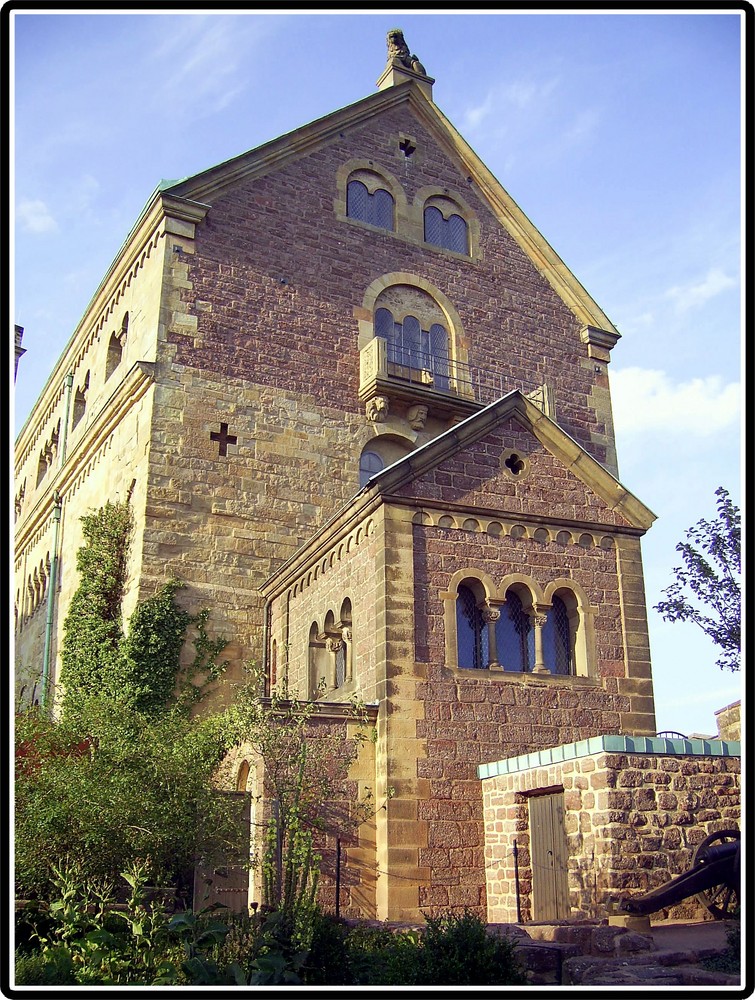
x=451, y=950
x=458, y=950
x=108, y=785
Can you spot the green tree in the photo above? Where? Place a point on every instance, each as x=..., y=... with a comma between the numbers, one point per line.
x=707, y=587
x=108, y=785
x=306, y=766
x=126, y=772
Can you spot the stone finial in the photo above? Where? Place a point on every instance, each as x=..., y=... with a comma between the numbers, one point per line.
x=403, y=65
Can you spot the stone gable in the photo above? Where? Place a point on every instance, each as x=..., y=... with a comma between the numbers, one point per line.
x=478, y=477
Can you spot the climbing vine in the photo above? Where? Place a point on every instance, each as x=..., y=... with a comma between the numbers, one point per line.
x=93, y=630
x=141, y=668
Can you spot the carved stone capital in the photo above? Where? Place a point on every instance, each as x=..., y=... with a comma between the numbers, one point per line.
x=333, y=645
x=490, y=614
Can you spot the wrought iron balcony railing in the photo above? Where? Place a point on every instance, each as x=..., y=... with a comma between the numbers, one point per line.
x=383, y=365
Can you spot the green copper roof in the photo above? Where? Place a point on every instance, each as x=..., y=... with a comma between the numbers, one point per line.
x=692, y=747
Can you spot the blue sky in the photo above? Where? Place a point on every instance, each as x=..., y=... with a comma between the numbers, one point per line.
x=618, y=134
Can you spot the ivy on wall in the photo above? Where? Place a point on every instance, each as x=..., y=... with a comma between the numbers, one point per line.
x=92, y=630
x=141, y=668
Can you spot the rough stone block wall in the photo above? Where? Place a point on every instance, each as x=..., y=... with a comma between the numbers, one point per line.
x=729, y=722
x=632, y=821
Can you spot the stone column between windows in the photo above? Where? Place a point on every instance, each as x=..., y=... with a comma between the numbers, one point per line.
x=539, y=618
x=333, y=644
x=490, y=616
x=349, y=666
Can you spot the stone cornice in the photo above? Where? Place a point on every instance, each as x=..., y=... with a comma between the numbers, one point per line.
x=164, y=213
x=137, y=381
x=344, y=521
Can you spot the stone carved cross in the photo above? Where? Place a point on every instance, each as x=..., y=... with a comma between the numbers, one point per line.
x=223, y=438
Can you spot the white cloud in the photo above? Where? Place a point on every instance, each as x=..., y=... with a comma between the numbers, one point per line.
x=697, y=293
x=209, y=58
x=647, y=401
x=35, y=217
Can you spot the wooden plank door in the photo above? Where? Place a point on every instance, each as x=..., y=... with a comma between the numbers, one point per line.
x=549, y=857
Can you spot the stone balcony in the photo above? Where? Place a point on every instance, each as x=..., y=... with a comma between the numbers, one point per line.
x=449, y=388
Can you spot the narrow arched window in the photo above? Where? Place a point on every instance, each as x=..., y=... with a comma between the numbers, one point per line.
x=369, y=465
x=515, y=637
x=375, y=208
x=449, y=232
x=557, y=639
x=114, y=355
x=471, y=634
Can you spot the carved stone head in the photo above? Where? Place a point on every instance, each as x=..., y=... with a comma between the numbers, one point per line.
x=417, y=416
x=398, y=50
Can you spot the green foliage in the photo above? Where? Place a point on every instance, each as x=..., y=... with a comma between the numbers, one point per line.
x=135, y=791
x=91, y=943
x=92, y=631
x=200, y=935
x=327, y=962
x=707, y=589
x=459, y=951
x=451, y=950
x=381, y=956
x=151, y=651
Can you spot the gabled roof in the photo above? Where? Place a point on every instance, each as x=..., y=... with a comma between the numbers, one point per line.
x=552, y=437
x=210, y=183
x=385, y=486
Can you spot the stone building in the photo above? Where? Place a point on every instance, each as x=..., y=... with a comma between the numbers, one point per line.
x=360, y=406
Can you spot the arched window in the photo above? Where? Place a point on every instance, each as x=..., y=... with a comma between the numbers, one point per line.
x=558, y=653
x=369, y=465
x=375, y=208
x=80, y=401
x=412, y=348
x=471, y=633
x=515, y=636
x=114, y=355
x=315, y=661
x=447, y=230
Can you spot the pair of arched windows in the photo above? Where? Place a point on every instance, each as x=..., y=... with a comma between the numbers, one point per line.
x=443, y=226
x=329, y=653
x=376, y=208
x=448, y=231
x=514, y=638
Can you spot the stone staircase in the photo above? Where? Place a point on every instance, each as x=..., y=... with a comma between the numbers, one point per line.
x=597, y=953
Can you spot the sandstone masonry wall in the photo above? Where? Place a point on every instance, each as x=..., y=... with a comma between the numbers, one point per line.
x=633, y=822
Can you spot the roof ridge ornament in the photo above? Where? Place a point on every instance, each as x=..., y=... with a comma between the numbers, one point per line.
x=403, y=65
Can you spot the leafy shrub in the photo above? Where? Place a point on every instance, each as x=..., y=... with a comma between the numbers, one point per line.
x=327, y=963
x=380, y=956
x=459, y=951
x=451, y=950
x=51, y=969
